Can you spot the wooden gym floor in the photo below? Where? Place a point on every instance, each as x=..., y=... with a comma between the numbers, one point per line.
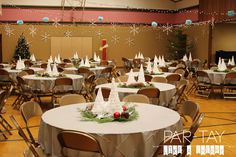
x=220, y=116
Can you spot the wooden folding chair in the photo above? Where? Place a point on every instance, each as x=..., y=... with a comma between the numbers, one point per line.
x=71, y=99
x=139, y=98
x=29, y=110
x=152, y=93
x=33, y=151
x=80, y=141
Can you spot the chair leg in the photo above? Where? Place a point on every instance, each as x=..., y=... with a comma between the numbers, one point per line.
x=1, y=132
x=5, y=121
x=5, y=127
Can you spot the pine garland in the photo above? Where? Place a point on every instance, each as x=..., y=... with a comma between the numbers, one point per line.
x=87, y=115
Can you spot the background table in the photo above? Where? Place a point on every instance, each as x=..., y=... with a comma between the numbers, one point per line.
x=46, y=84
x=167, y=91
x=161, y=74
x=14, y=72
x=96, y=70
x=216, y=77
x=136, y=138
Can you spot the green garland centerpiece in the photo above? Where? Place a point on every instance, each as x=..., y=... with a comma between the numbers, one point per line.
x=225, y=71
x=50, y=72
x=135, y=85
x=128, y=113
x=45, y=74
x=108, y=111
x=152, y=73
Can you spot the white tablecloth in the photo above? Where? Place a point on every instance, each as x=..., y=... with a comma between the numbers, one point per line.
x=47, y=83
x=97, y=70
x=137, y=138
x=14, y=72
x=167, y=91
x=216, y=77
x=162, y=74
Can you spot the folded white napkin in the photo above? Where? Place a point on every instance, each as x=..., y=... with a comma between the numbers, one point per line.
x=190, y=57
x=98, y=59
x=185, y=58
x=131, y=77
x=155, y=68
x=149, y=66
x=114, y=100
x=135, y=56
x=232, y=61
x=82, y=62
x=222, y=66
x=76, y=56
x=95, y=56
x=49, y=70
x=50, y=59
x=159, y=59
x=18, y=65
x=141, y=56
x=162, y=62
x=58, y=58
x=219, y=63
x=141, y=77
x=86, y=62
x=54, y=70
x=229, y=62
x=99, y=103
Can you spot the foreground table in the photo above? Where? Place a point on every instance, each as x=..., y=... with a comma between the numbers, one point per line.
x=137, y=138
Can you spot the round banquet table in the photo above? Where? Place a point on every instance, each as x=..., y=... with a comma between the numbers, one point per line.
x=14, y=72
x=97, y=70
x=161, y=74
x=216, y=77
x=138, y=138
x=46, y=84
x=167, y=91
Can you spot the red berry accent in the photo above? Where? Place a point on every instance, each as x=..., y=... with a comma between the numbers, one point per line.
x=124, y=108
x=116, y=115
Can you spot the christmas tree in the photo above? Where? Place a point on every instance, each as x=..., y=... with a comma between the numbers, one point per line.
x=22, y=48
x=178, y=45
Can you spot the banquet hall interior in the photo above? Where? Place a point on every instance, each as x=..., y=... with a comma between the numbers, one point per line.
x=117, y=78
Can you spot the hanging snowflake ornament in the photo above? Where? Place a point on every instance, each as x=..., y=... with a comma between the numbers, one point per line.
x=8, y=30
x=92, y=23
x=167, y=28
x=45, y=37
x=134, y=30
x=56, y=22
x=32, y=30
x=99, y=34
x=115, y=39
x=130, y=41
x=68, y=33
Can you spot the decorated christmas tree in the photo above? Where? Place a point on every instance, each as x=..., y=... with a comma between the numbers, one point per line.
x=22, y=48
x=178, y=45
